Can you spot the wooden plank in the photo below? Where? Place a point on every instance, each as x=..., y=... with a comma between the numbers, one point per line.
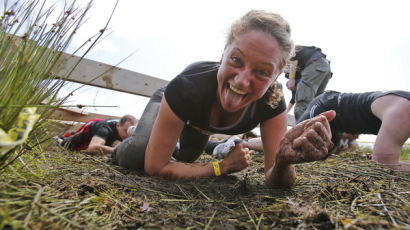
x=106, y=76
x=69, y=114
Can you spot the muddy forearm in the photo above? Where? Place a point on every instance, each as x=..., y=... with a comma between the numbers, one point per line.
x=281, y=175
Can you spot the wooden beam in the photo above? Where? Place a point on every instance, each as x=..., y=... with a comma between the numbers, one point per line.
x=70, y=114
x=106, y=76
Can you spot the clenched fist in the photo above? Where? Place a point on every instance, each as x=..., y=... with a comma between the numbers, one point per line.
x=237, y=160
x=307, y=141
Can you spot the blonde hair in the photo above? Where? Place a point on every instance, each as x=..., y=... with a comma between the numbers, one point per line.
x=267, y=22
x=275, y=95
x=277, y=27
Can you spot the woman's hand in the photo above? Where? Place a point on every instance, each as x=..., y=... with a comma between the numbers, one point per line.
x=307, y=141
x=237, y=160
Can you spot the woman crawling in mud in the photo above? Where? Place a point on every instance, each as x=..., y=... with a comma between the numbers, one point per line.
x=232, y=96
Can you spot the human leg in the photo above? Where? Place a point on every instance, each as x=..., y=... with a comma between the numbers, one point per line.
x=78, y=141
x=191, y=145
x=304, y=94
x=131, y=152
x=314, y=77
x=394, y=112
x=323, y=84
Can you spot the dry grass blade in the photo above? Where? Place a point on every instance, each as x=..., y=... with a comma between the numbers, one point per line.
x=210, y=221
x=203, y=194
x=35, y=200
x=249, y=215
x=58, y=215
x=385, y=209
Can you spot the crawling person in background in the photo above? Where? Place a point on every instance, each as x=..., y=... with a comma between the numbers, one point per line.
x=229, y=97
x=382, y=113
x=99, y=136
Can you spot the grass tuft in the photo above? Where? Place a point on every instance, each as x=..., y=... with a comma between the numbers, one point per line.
x=33, y=37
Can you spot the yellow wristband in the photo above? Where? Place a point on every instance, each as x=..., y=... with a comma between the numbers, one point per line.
x=291, y=75
x=217, y=169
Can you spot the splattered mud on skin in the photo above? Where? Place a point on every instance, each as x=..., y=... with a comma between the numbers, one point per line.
x=57, y=189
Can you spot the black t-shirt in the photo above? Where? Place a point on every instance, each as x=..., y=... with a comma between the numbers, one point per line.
x=106, y=130
x=353, y=110
x=191, y=94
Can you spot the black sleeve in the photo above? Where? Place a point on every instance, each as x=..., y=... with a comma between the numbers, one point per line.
x=103, y=132
x=192, y=90
x=176, y=98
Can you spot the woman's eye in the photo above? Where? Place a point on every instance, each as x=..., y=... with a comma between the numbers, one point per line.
x=235, y=59
x=263, y=73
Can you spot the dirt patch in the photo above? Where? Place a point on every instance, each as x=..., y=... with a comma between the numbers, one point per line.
x=56, y=189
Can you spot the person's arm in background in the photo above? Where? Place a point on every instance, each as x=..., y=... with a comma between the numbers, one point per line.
x=291, y=83
x=164, y=136
x=97, y=146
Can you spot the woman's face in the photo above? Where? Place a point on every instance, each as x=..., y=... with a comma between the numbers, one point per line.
x=250, y=64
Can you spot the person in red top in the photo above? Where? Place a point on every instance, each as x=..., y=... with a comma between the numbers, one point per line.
x=98, y=135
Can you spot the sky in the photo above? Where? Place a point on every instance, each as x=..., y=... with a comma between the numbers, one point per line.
x=367, y=41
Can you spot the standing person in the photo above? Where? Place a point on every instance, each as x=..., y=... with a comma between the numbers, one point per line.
x=98, y=135
x=231, y=97
x=385, y=114
x=310, y=71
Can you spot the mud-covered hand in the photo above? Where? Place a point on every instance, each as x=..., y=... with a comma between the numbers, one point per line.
x=237, y=160
x=307, y=141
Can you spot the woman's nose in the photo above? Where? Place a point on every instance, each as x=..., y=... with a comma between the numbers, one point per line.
x=243, y=78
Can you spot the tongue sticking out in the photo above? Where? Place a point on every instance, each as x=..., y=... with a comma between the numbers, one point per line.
x=233, y=98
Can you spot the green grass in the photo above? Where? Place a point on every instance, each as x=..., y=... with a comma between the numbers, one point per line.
x=32, y=39
x=405, y=154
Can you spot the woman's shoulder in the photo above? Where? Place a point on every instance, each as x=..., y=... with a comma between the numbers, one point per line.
x=193, y=89
x=200, y=67
x=198, y=77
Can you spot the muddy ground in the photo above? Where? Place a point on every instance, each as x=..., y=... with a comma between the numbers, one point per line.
x=50, y=188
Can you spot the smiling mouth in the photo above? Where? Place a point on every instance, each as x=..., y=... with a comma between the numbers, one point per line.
x=238, y=91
